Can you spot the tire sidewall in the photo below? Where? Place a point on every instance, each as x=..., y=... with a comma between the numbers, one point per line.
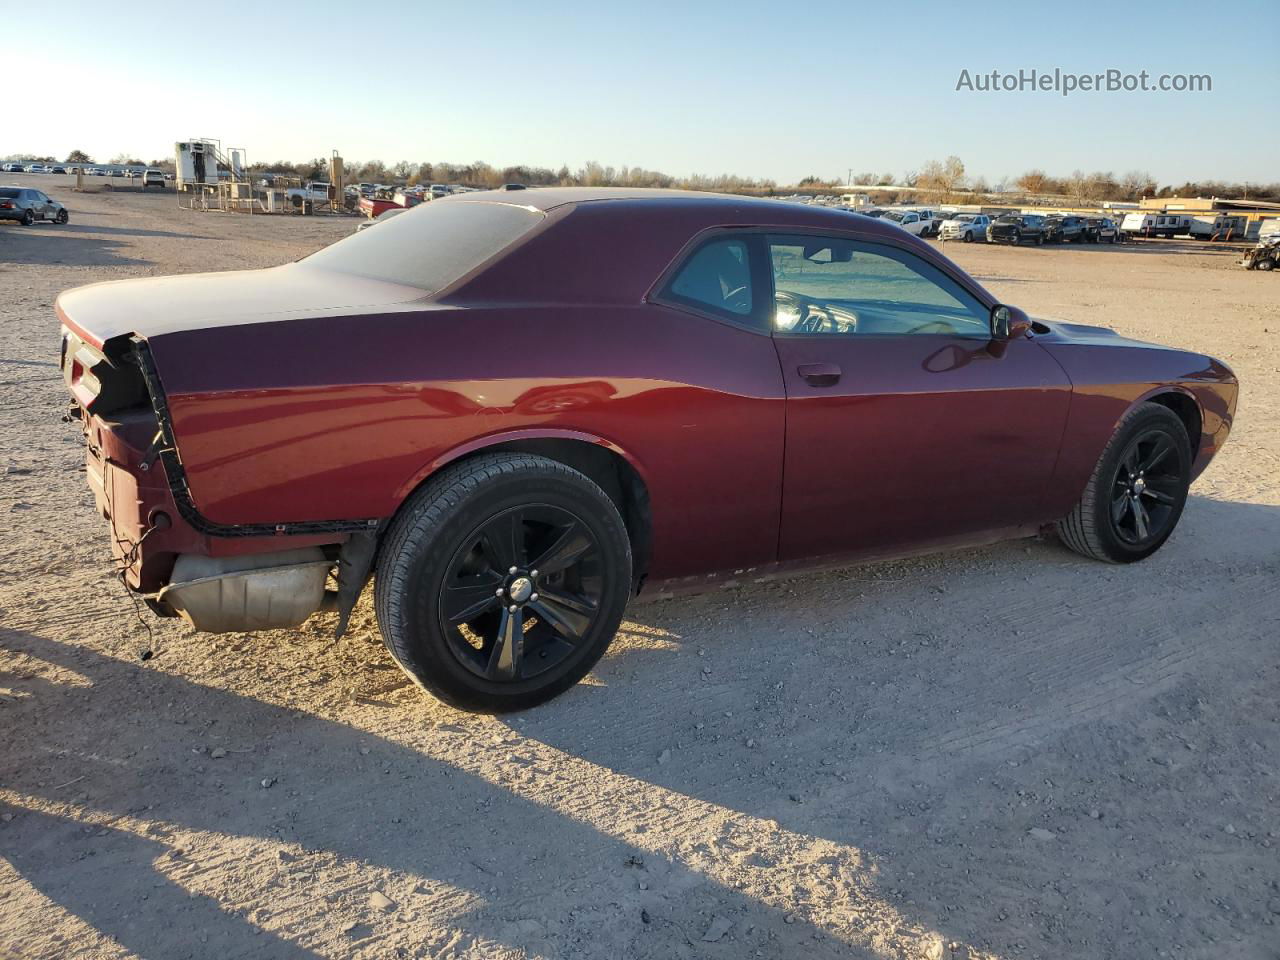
x=424, y=649
x=1145, y=419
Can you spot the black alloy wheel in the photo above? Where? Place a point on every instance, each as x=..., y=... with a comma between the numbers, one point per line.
x=521, y=593
x=502, y=581
x=1147, y=489
x=1138, y=489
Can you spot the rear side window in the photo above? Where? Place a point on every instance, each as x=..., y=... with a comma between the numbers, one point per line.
x=8, y=193
x=431, y=245
x=717, y=277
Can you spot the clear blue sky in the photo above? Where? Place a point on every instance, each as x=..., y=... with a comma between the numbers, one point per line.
x=763, y=89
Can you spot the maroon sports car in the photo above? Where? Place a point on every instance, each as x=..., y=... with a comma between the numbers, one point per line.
x=515, y=410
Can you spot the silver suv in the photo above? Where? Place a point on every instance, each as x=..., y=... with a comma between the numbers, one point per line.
x=27, y=206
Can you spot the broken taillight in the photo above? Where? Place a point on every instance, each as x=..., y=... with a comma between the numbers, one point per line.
x=102, y=381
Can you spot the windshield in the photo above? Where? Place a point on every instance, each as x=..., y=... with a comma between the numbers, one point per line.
x=894, y=215
x=432, y=245
x=963, y=218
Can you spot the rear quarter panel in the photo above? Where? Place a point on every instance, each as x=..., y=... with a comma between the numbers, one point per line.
x=340, y=417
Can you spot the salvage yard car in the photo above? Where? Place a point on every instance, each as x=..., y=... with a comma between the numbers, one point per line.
x=909, y=221
x=1064, y=229
x=516, y=410
x=1017, y=228
x=27, y=206
x=966, y=227
x=1101, y=230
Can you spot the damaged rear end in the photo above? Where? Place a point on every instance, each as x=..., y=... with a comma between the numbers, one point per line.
x=218, y=577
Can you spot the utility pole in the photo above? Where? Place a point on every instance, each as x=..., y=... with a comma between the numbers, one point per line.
x=850, y=177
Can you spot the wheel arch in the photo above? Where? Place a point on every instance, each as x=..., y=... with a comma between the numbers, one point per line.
x=1184, y=404
x=611, y=468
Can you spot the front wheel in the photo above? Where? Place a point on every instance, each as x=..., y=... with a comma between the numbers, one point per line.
x=1135, y=497
x=1265, y=264
x=968, y=236
x=502, y=581
x=62, y=217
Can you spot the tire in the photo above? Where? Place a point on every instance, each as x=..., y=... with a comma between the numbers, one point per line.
x=441, y=537
x=1103, y=525
x=1265, y=264
x=62, y=217
x=1040, y=240
x=28, y=218
x=968, y=236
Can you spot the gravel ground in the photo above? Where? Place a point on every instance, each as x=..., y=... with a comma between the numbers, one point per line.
x=1007, y=752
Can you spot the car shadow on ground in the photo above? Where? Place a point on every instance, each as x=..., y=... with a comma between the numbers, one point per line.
x=123, y=843
x=866, y=732
x=128, y=232
x=50, y=243
x=853, y=775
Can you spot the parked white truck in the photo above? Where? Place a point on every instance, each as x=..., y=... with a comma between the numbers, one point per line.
x=910, y=221
x=966, y=227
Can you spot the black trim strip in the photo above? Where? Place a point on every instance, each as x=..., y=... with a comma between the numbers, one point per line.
x=177, y=475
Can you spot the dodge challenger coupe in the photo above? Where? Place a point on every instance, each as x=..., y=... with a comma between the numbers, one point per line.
x=515, y=410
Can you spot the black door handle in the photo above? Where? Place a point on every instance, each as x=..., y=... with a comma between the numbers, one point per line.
x=819, y=374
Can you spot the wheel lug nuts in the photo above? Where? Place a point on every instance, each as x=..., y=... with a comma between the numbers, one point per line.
x=513, y=608
x=533, y=573
x=499, y=591
x=533, y=596
x=512, y=570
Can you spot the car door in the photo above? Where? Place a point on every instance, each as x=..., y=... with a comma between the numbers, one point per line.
x=718, y=436
x=905, y=424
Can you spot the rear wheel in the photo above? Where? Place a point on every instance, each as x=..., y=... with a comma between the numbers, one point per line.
x=502, y=581
x=1265, y=264
x=1135, y=497
x=28, y=218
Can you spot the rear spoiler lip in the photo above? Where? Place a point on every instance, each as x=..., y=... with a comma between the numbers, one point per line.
x=87, y=336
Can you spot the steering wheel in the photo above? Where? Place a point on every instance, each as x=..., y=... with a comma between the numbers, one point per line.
x=814, y=317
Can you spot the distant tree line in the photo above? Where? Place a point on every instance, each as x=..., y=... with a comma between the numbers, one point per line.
x=942, y=180
x=481, y=174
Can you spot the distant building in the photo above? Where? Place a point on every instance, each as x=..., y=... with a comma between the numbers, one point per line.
x=1263, y=208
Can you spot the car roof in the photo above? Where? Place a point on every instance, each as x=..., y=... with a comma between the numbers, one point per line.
x=712, y=208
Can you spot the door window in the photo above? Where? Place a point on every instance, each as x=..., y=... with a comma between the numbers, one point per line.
x=830, y=286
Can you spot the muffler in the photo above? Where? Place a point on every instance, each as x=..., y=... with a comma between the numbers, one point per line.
x=237, y=594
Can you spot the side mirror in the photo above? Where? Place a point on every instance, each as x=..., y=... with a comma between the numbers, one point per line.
x=1008, y=323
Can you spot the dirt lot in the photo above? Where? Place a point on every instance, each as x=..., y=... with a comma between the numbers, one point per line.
x=1008, y=752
